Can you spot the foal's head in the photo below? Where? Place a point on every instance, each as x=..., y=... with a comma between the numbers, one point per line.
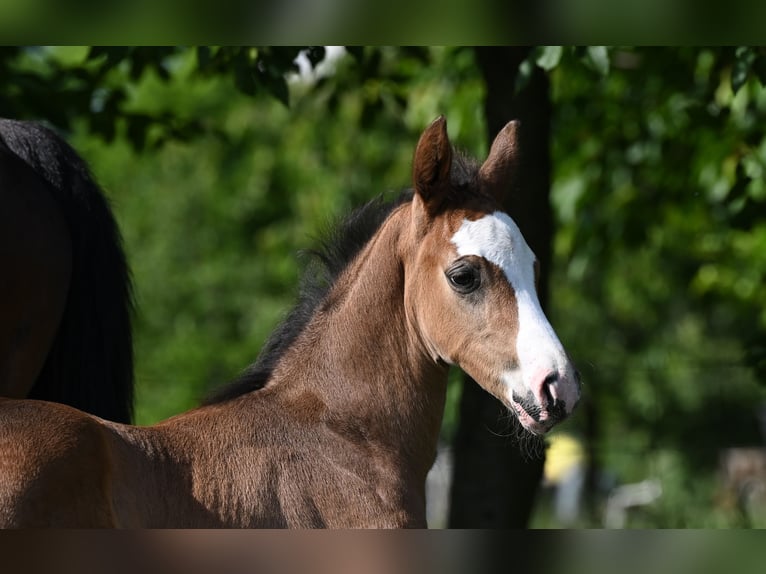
x=471, y=282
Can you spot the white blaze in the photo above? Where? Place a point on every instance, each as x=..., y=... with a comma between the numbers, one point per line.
x=497, y=239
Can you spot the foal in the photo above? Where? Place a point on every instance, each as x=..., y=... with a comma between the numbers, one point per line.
x=336, y=424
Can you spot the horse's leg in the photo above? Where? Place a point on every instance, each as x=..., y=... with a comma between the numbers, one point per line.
x=35, y=268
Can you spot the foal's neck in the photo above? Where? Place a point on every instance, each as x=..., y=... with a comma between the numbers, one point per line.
x=362, y=359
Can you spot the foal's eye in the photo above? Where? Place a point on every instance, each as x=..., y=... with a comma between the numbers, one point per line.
x=463, y=278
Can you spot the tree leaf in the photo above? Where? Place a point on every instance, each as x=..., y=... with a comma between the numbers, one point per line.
x=244, y=77
x=114, y=54
x=277, y=86
x=203, y=57
x=598, y=57
x=523, y=76
x=549, y=57
x=357, y=52
x=743, y=61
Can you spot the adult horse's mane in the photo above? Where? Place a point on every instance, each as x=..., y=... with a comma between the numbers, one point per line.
x=90, y=363
x=342, y=242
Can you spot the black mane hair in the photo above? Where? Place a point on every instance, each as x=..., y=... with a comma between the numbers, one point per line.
x=343, y=242
x=90, y=363
x=336, y=251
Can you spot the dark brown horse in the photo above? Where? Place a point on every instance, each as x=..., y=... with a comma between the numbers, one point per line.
x=336, y=424
x=65, y=298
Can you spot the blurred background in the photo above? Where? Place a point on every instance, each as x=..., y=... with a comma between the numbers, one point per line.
x=646, y=203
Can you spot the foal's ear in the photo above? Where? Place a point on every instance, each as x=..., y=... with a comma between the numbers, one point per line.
x=432, y=163
x=499, y=173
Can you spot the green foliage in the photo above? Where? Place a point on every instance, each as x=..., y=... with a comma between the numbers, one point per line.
x=101, y=84
x=661, y=260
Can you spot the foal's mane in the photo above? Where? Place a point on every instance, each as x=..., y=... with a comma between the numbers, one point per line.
x=340, y=245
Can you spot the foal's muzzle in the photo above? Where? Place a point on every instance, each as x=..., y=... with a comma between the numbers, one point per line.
x=550, y=401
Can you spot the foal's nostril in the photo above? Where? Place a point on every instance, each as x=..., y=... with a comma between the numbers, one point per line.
x=551, y=378
x=547, y=382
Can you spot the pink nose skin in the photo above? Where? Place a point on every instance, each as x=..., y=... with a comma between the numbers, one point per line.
x=549, y=398
x=556, y=393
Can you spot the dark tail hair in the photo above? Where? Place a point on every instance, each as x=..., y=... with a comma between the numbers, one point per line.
x=90, y=364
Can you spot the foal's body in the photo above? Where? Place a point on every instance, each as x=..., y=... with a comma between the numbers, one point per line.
x=337, y=423
x=304, y=451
